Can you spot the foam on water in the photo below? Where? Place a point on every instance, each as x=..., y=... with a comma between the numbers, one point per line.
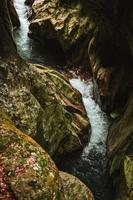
x=90, y=166
x=23, y=42
x=98, y=119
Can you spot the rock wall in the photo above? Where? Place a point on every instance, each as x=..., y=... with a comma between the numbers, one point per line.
x=8, y=47
x=90, y=34
x=64, y=22
x=13, y=14
x=120, y=151
x=120, y=141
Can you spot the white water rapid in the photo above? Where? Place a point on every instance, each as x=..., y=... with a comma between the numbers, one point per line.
x=32, y=50
x=98, y=119
x=91, y=164
x=23, y=42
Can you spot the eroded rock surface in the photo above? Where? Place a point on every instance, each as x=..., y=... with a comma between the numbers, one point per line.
x=72, y=185
x=42, y=103
x=8, y=47
x=89, y=32
x=27, y=171
x=64, y=22
x=120, y=150
x=13, y=14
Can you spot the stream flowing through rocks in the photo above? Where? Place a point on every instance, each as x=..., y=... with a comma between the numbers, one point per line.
x=90, y=165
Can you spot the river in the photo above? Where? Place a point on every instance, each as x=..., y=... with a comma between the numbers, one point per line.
x=89, y=165
x=32, y=50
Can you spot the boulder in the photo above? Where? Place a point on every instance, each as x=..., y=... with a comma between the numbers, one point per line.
x=26, y=170
x=42, y=103
x=120, y=152
x=71, y=187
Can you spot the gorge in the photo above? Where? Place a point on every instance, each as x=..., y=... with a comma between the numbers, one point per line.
x=95, y=151
x=91, y=140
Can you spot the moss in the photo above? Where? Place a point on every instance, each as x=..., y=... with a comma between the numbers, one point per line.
x=27, y=168
x=3, y=141
x=42, y=103
x=42, y=162
x=22, y=161
x=45, y=196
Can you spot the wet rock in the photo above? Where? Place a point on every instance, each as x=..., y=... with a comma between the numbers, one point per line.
x=65, y=22
x=13, y=14
x=26, y=170
x=112, y=71
x=29, y=2
x=71, y=187
x=120, y=151
x=8, y=47
x=42, y=103
x=89, y=35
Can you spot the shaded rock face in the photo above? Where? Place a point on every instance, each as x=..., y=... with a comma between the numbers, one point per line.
x=27, y=172
x=29, y=2
x=89, y=32
x=111, y=60
x=64, y=22
x=13, y=14
x=8, y=47
x=42, y=103
x=120, y=151
x=71, y=187
x=120, y=143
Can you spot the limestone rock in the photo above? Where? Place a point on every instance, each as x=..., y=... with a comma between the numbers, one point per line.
x=26, y=170
x=112, y=71
x=88, y=33
x=120, y=151
x=63, y=21
x=42, y=103
x=8, y=47
x=13, y=14
x=74, y=188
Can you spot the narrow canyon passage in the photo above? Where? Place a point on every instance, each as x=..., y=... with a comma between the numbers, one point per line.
x=90, y=165
x=32, y=50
